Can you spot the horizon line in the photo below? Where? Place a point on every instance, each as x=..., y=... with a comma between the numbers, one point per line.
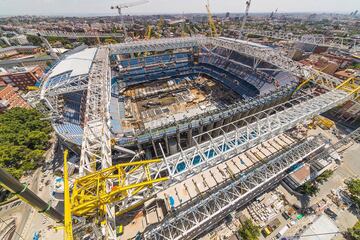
x=161, y=13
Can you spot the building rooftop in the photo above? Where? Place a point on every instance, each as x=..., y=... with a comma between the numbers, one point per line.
x=78, y=63
x=321, y=225
x=16, y=48
x=16, y=70
x=301, y=174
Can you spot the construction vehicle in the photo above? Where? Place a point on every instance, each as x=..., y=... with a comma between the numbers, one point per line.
x=126, y=5
x=322, y=122
x=32, y=88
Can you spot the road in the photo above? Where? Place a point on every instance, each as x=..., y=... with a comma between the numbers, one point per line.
x=350, y=168
x=28, y=220
x=26, y=209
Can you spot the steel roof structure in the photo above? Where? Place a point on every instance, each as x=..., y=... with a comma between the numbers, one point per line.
x=247, y=132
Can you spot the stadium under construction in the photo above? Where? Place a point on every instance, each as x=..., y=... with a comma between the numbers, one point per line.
x=174, y=134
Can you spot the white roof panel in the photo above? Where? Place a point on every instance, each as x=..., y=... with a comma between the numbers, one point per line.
x=78, y=63
x=244, y=42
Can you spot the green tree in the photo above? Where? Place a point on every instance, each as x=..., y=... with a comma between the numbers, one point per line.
x=12, y=159
x=354, y=232
x=249, y=230
x=324, y=176
x=37, y=140
x=308, y=188
x=24, y=137
x=110, y=41
x=35, y=156
x=354, y=189
x=34, y=40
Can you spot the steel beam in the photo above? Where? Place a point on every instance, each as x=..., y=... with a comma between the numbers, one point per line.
x=73, y=35
x=155, y=45
x=73, y=84
x=278, y=59
x=204, y=213
x=316, y=39
x=248, y=132
x=96, y=146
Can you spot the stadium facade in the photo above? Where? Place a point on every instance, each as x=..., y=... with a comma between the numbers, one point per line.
x=161, y=98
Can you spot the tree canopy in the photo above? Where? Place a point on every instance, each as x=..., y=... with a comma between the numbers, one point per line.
x=249, y=230
x=309, y=188
x=354, y=232
x=324, y=176
x=354, y=189
x=24, y=138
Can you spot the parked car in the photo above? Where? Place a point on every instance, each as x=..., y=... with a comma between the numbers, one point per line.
x=330, y=213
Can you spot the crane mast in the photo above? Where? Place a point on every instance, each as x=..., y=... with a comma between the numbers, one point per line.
x=126, y=5
x=248, y=3
x=213, y=31
x=48, y=46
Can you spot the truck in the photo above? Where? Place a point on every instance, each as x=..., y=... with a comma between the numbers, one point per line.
x=282, y=231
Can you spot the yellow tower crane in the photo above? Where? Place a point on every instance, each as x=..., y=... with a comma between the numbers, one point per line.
x=67, y=204
x=213, y=31
x=90, y=193
x=148, y=32
x=309, y=79
x=159, y=27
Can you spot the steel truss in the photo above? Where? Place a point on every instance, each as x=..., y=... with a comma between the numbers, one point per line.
x=249, y=132
x=334, y=42
x=68, y=85
x=203, y=214
x=96, y=145
x=274, y=57
x=246, y=133
x=90, y=193
x=73, y=34
x=278, y=59
x=317, y=39
x=232, y=110
x=156, y=45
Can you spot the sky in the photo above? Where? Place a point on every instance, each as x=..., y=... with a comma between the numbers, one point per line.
x=102, y=7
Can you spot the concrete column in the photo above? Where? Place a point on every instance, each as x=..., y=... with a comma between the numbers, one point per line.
x=227, y=121
x=148, y=154
x=216, y=132
x=208, y=128
x=154, y=147
x=172, y=146
x=201, y=130
x=178, y=139
x=167, y=144
x=189, y=137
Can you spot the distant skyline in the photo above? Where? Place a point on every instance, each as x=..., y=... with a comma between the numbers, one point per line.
x=102, y=7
